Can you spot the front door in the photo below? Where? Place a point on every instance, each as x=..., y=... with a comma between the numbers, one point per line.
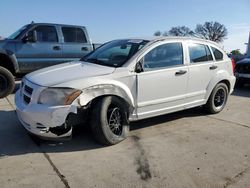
x=46, y=51
x=161, y=87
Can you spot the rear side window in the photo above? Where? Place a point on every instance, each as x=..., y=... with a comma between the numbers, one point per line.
x=75, y=35
x=46, y=34
x=199, y=53
x=166, y=55
x=217, y=54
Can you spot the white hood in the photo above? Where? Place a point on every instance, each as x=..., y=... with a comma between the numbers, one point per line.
x=67, y=72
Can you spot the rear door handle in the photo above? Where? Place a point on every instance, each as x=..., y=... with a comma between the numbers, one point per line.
x=180, y=72
x=85, y=49
x=56, y=48
x=213, y=67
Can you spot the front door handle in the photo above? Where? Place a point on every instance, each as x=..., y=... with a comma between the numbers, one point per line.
x=56, y=48
x=213, y=67
x=180, y=72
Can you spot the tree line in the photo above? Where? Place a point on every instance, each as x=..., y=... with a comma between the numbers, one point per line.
x=213, y=31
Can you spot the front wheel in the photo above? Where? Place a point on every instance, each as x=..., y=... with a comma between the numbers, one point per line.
x=7, y=82
x=109, y=121
x=217, y=99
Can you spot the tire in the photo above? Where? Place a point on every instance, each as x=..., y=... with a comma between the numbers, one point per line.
x=7, y=82
x=106, y=129
x=217, y=99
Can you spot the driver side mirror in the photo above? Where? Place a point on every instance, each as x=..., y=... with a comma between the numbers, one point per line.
x=30, y=36
x=139, y=66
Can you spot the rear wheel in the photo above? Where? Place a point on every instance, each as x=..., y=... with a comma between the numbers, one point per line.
x=217, y=99
x=7, y=82
x=109, y=120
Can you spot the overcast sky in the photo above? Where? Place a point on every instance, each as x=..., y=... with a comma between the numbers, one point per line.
x=112, y=19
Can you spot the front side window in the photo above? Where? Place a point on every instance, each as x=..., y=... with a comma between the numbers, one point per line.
x=115, y=53
x=217, y=54
x=46, y=34
x=166, y=55
x=199, y=53
x=75, y=35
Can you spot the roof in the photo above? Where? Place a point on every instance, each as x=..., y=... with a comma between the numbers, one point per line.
x=155, y=39
x=56, y=24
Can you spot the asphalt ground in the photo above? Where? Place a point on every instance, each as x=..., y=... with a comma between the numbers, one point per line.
x=184, y=149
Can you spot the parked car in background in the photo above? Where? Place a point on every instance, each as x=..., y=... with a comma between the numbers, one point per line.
x=242, y=72
x=39, y=45
x=122, y=81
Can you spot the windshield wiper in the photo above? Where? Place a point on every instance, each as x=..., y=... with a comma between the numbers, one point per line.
x=93, y=60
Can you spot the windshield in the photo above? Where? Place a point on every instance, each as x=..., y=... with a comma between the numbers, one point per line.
x=18, y=32
x=115, y=53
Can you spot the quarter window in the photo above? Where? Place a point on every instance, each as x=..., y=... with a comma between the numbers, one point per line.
x=217, y=54
x=75, y=35
x=166, y=55
x=199, y=53
x=46, y=34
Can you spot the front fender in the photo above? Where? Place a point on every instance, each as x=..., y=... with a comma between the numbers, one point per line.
x=93, y=92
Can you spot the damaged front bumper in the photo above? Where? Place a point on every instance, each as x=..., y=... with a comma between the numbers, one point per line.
x=44, y=121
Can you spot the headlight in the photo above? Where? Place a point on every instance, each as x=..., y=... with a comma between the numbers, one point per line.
x=58, y=96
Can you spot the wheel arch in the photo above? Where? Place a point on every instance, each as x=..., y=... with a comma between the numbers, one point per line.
x=125, y=102
x=227, y=82
x=8, y=60
x=91, y=94
x=213, y=84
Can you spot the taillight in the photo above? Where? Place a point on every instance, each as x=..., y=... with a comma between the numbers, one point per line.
x=233, y=64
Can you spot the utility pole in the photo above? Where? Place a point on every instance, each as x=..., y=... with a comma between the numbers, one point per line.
x=248, y=46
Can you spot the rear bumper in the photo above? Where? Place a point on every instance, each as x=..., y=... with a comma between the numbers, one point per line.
x=44, y=121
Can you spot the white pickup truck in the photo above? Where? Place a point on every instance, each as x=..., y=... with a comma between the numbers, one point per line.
x=122, y=81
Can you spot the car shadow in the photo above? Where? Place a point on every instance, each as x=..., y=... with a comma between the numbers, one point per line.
x=14, y=139
x=193, y=112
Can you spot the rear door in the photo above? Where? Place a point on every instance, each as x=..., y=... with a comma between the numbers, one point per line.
x=46, y=51
x=202, y=68
x=76, y=43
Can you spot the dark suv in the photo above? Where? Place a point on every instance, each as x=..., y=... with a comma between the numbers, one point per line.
x=39, y=45
x=242, y=72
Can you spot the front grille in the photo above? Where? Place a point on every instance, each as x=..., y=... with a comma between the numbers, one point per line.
x=28, y=89
x=27, y=93
x=243, y=68
x=26, y=99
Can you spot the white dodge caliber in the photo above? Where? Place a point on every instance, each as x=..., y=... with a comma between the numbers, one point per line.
x=122, y=81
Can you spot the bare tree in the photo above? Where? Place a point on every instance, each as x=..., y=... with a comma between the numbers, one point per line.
x=212, y=31
x=157, y=33
x=180, y=31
